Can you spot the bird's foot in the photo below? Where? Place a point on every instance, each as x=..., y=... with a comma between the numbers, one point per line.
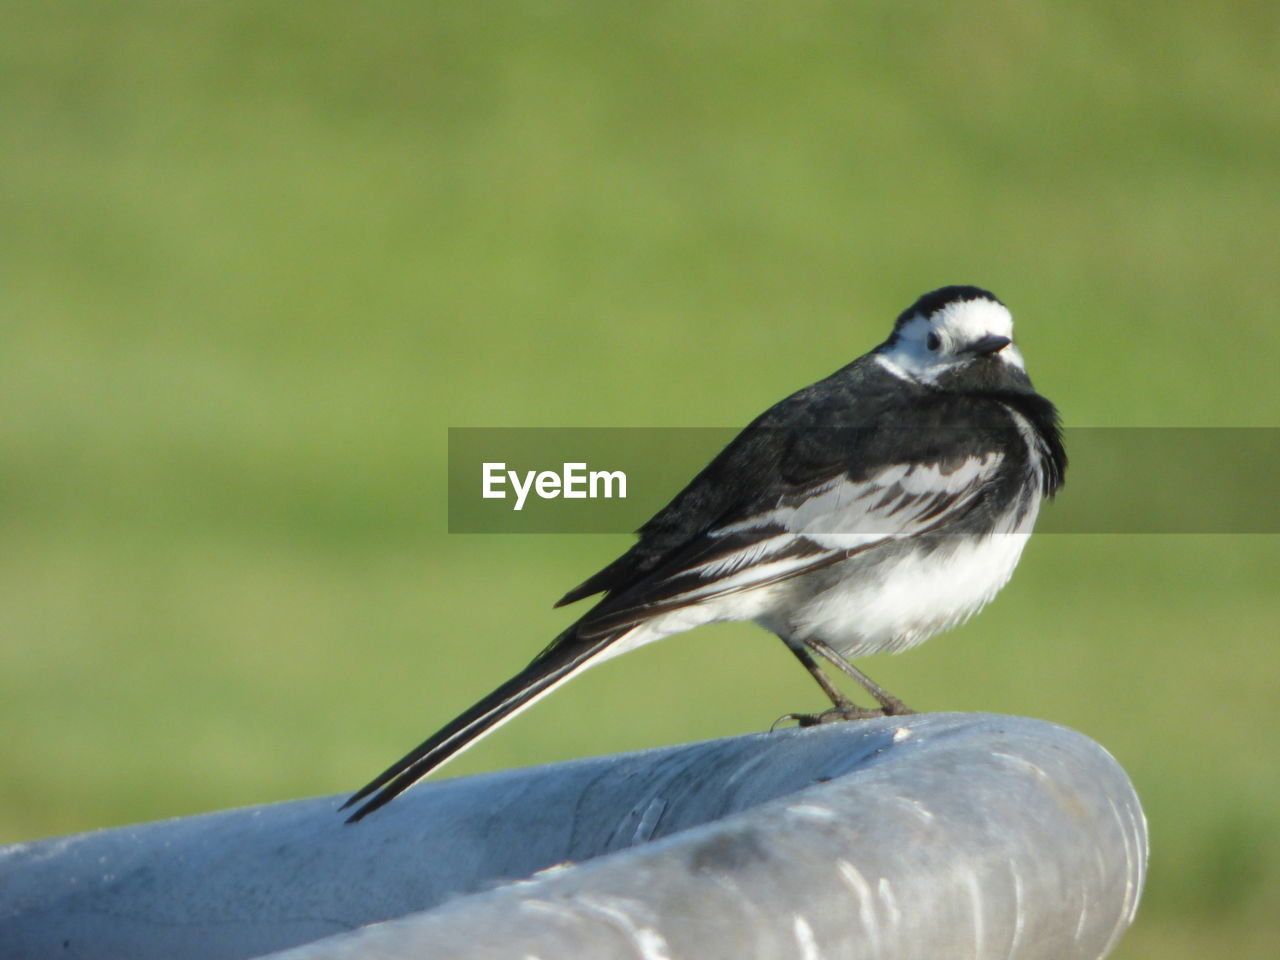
x=834, y=715
x=893, y=707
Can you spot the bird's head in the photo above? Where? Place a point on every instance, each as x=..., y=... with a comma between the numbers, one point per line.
x=956, y=338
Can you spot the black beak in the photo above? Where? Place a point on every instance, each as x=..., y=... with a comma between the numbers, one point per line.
x=988, y=345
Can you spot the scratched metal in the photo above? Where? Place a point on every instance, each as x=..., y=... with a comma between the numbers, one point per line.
x=944, y=835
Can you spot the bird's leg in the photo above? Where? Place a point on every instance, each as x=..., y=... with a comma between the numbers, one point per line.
x=843, y=708
x=893, y=707
x=837, y=698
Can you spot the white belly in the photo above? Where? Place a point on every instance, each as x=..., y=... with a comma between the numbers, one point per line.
x=903, y=601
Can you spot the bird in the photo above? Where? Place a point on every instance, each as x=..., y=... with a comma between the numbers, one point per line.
x=864, y=513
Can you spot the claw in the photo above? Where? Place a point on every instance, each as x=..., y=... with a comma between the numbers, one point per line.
x=783, y=719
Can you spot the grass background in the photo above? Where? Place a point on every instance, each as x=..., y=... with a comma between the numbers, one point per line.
x=257, y=257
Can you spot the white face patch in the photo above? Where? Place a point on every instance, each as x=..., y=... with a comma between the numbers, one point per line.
x=955, y=326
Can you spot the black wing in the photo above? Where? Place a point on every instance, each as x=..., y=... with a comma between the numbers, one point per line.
x=841, y=477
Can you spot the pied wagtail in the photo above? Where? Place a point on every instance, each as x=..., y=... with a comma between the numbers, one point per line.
x=866, y=512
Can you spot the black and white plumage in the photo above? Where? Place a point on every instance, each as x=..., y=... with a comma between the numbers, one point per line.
x=864, y=513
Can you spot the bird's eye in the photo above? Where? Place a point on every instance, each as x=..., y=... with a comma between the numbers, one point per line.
x=934, y=341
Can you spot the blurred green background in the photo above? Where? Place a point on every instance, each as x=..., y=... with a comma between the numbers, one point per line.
x=257, y=257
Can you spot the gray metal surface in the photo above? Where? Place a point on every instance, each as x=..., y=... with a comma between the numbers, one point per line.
x=946, y=835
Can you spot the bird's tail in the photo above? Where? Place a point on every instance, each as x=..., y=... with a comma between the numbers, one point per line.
x=566, y=656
